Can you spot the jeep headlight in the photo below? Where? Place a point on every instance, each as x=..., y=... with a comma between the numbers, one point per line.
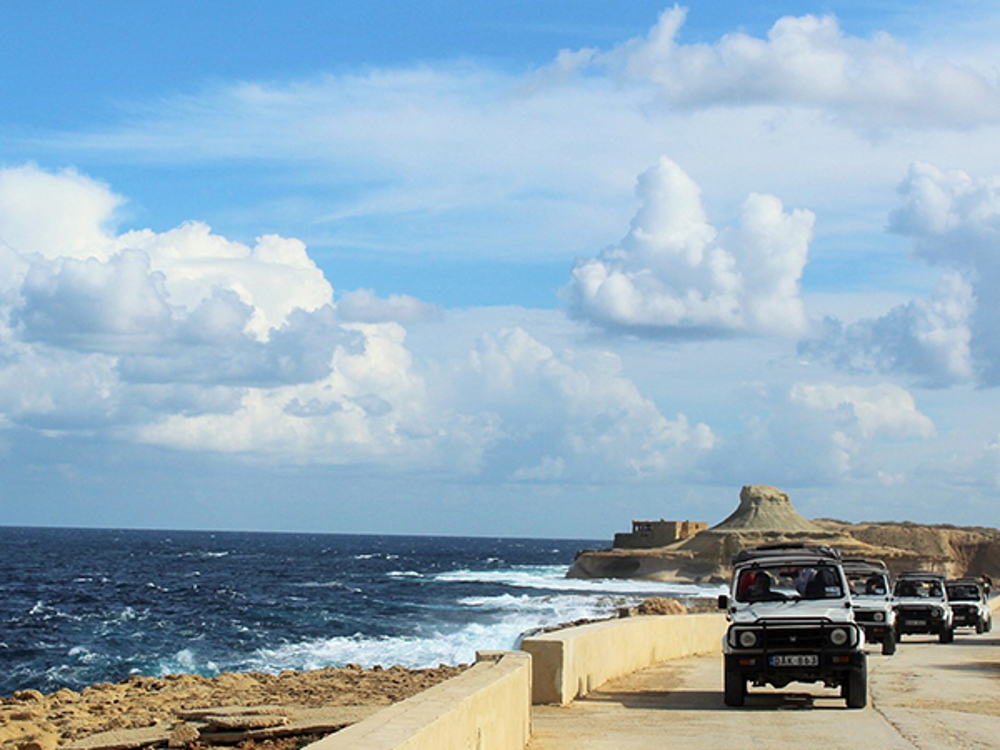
x=748, y=639
x=839, y=636
x=937, y=612
x=879, y=617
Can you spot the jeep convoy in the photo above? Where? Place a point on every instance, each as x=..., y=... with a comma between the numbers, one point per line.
x=801, y=613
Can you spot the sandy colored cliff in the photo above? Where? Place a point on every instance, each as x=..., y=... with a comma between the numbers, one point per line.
x=765, y=515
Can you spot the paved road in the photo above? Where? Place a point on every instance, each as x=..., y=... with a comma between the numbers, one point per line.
x=927, y=695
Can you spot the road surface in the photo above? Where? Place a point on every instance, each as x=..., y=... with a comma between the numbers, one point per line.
x=927, y=695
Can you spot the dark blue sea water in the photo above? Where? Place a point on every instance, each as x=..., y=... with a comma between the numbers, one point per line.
x=79, y=607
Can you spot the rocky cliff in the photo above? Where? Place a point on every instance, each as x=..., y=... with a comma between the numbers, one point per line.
x=765, y=515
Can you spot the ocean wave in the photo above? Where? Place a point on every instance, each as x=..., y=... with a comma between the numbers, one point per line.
x=512, y=617
x=186, y=661
x=553, y=578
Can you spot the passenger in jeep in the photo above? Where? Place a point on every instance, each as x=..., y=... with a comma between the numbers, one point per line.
x=874, y=587
x=788, y=583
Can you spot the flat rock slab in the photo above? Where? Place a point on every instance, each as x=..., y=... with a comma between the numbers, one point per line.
x=204, y=713
x=124, y=739
x=232, y=725
x=301, y=721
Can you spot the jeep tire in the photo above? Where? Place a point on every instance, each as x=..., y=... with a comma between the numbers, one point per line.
x=855, y=690
x=947, y=635
x=735, y=688
x=889, y=643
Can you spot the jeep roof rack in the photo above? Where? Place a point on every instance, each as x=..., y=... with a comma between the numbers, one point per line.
x=787, y=550
x=921, y=574
x=861, y=563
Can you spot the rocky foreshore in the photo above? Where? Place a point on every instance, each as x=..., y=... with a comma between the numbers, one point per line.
x=252, y=710
x=283, y=711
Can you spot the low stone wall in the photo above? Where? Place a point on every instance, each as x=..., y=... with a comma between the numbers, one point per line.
x=568, y=664
x=487, y=707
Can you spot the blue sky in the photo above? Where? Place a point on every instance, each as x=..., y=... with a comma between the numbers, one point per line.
x=480, y=268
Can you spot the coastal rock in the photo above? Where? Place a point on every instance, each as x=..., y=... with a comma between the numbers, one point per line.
x=123, y=739
x=765, y=515
x=655, y=605
x=764, y=508
x=182, y=735
x=28, y=696
x=43, y=741
x=155, y=711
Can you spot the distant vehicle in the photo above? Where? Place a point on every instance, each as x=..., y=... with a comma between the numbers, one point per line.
x=967, y=597
x=792, y=621
x=872, y=601
x=922, y=606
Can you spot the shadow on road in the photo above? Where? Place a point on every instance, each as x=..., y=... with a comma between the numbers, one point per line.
x=973, y=666
x=711, y=700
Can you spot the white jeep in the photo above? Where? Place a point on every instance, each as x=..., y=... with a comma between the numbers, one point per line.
x=968, y=601
x=872, y=598
x=792, y=621
x=922, y=605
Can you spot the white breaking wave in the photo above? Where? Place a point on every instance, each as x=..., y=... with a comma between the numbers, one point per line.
x=494, y=622
x=553, y=578
x=186, y=661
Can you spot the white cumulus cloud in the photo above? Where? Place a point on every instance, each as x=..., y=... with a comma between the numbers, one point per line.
x=806, y=61
x=822, y=433
x=573, y=414
x=193, y=341
x=953, y=221
x=884, y=410
x=674, y=274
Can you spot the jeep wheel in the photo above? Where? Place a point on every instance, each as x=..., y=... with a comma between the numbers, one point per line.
x=735, y=688
x=947, y=635
x=889, y=644
x=980, y=627
x=856, y=688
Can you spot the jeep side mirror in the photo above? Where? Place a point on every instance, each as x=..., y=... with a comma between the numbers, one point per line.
x=723, y=601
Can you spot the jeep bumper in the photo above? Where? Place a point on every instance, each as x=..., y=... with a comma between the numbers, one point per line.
x=779, y=669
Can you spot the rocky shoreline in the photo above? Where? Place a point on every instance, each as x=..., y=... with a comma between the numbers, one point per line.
x=280, y=712
x=253, y=711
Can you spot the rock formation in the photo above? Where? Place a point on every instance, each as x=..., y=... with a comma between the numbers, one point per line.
x=765, y=515
x=764, y=509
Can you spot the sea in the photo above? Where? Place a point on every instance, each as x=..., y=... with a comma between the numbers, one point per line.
x=86, y=606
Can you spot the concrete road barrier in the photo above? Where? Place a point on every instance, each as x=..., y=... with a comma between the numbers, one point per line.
x=568, y=664
x=487, y=707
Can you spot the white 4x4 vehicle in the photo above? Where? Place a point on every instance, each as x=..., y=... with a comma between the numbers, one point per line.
x=873, y=609
x=968, y=602
x=922, y=606
x=792, y=621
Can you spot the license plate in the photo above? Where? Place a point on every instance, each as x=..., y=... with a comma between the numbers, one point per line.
x=917, y=622
x=796, y=660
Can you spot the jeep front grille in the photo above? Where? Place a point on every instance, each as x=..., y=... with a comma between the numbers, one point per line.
x=797, y=635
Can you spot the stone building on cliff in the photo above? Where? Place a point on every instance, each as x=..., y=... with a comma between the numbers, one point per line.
x=649, y=534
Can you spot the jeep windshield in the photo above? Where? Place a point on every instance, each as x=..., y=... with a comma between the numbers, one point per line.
x=788, y=582
x=963, y=593
x=917, y=589
x=867, y=584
